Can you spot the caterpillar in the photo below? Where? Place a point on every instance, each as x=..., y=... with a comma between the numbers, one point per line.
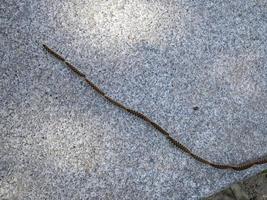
x=168, y=136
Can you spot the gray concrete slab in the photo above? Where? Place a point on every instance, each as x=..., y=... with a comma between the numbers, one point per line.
x=60, y=140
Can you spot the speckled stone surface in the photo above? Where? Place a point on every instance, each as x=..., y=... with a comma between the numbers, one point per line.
x=60, y=140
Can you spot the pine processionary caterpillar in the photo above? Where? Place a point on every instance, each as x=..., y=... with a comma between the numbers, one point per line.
x=176, y=143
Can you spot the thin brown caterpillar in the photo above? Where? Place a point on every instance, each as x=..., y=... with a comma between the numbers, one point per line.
x=138, y=114
x=54, y=53
x=168, y=136
x=116, y=103
x=94, y=87
x=75, y=70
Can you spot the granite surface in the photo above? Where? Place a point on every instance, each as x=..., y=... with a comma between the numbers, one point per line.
x=60, y=140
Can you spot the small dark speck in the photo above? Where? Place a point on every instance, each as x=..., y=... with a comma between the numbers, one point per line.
x=195, y=108
x=255, y=38
x=151, y=160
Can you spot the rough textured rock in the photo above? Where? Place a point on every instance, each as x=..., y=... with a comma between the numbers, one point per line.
x=252, y=188
x=60, y=140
